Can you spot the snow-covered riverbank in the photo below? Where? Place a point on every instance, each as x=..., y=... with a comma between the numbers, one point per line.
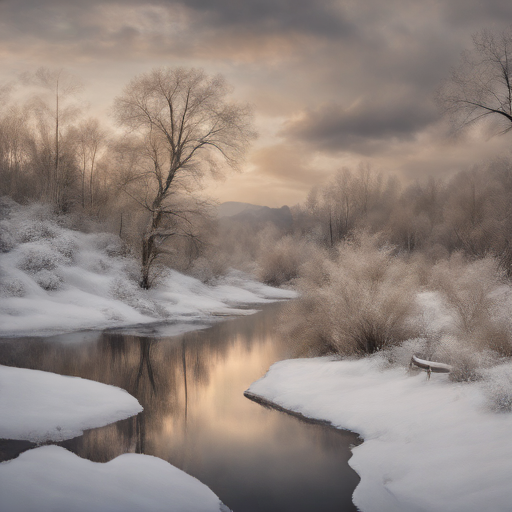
x=42, y=406
x=54, y=280
x=428, y=446
x=51, y=479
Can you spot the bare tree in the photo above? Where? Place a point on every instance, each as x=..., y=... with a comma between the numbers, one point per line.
x=481, y=87
x=90, y=140
x=55, y=108
x=186, y=128
x=14, y=137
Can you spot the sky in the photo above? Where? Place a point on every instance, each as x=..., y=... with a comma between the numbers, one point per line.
x=332, y=83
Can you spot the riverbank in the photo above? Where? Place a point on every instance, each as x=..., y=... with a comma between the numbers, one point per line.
x=429, y=445
x=44, y=407
x=56, y=280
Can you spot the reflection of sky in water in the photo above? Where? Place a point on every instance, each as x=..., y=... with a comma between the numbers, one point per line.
x=253, y=458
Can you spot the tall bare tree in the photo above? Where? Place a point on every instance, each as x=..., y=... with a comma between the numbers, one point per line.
x=55, y=108
x=481, y=86
x=186, y=128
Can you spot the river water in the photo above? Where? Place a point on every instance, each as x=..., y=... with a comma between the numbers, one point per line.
x=196, y=416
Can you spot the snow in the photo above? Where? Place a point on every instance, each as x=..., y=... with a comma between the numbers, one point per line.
x=42, y=406
x=52, y=479
x=429, y=445
x=55, y=280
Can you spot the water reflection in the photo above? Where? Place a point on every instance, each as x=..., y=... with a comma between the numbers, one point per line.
x=196, y=417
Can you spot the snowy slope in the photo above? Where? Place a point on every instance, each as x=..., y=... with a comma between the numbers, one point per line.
x=428, y=446
x=54, y=279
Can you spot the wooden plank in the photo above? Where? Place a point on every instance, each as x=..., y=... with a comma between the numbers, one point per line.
x=430, y=366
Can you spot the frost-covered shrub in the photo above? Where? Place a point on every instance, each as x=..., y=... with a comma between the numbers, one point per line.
x=128, y=292
x=111, y=245
x=207, y=269
x=280, y=261
x=498, y=387
x=365, y=302
x=401, y=355
x=37, y=257
x=12, y=288
x=467, y=362
x=47, y=280
x=476, y=298
x=66, y=245
x=7, y=240
x=35, y=231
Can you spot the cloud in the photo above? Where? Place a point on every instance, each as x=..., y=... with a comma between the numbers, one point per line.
x=324, y=18
x=361, y=128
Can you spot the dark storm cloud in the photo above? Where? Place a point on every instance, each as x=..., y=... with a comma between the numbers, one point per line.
x=361, y=127
x=58, y=19
x=321, y=17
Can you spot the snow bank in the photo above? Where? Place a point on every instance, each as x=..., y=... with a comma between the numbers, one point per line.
x=54, y=280
x=41, y=406
x=52, y=479
x=428, y=445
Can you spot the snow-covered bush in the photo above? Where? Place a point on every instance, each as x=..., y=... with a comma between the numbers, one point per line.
x=111, y=245
x=476, y=306
x=365, y=301
x=66, y=244
x=208, y=269
x=11, y=287
x=470, y=291
x=130, y=293
x=36, y=257
x=281, y=260
x=47, y=280
x=401, y=355
x=498, y=387
x=466, y=359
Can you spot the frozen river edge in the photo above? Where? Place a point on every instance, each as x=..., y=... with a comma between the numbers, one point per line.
x=428, y=445
x=42, y=407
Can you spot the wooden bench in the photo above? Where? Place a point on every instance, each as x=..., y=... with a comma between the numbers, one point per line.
x=430, y=366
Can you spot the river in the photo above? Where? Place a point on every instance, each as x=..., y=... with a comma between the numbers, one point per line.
x=196, y=416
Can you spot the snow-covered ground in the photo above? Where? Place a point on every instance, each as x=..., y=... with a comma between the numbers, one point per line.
x=54, y=279
x=42, y=406
x=429, y=445
x=51, y=479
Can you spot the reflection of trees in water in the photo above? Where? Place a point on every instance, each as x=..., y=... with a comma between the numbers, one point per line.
x=145, y=345
x=160, y=373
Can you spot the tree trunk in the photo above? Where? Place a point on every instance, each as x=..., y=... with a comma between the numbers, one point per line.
x=149, y=248
x=147, y=258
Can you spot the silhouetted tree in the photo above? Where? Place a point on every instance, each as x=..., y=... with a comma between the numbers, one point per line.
x=481, y=86
x=186, y=128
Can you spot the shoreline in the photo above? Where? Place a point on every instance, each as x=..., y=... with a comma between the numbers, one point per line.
x=424, y=442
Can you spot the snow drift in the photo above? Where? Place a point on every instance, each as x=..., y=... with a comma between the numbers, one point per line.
x=51, y=479
x=42, y=406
